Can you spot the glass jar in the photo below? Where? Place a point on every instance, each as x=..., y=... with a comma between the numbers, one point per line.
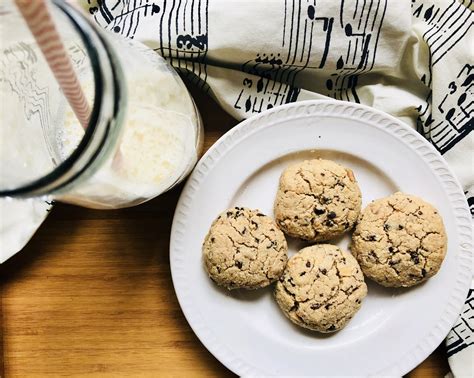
x=144, y=133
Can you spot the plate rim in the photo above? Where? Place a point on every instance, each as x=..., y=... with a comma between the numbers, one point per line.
x=348, y=110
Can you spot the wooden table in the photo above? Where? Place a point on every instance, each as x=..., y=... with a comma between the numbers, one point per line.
x=91, y=294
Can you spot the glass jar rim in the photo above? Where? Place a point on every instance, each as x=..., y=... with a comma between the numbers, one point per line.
x=55, y=179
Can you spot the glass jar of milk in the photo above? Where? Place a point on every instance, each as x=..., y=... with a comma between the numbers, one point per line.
x=144, y=133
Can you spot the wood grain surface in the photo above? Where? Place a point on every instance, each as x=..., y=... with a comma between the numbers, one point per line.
x=91, y=294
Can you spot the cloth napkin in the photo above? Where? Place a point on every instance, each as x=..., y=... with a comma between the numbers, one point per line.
x=410, y=58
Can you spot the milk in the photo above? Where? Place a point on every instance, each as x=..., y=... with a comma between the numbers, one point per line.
x=157, y=147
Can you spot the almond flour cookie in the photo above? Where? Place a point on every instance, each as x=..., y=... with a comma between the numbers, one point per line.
x=321, y=289
x=317, y=200
x=399, y=240
x=244, y=249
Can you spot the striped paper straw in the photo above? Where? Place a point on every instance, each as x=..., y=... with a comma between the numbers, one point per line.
x=41, y=25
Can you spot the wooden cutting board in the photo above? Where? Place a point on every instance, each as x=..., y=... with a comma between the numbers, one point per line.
x=91, y=294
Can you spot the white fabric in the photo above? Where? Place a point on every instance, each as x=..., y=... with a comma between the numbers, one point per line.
x=412, y=59
x=19, y=220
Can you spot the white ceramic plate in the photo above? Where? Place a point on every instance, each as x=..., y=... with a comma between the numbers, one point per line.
x=395, y=329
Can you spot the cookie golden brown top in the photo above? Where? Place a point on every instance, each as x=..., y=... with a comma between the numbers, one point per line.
x=399, y=240
x=321, y=289
x=244, y=249
x=317, y=200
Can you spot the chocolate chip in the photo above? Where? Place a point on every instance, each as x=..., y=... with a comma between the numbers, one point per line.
x=332, y=328
x=372, y=238
x=386, y=227
x=414, y=257
x=331, y=215
x=320, y=295
x=315, y=306
x=323, y=271
x=327, y=306
x=319, y=211
x=326, y=200
x=329, y=223
x=229, y=213
x=302, y=274
x=420, y=213
x=244, y=230
x=400, y=227
x=423, y=272
x=391, y=249
x=238, y=264
x=213, y=240
x=373, y=255
x=281, y=279
x=308, y=264
x=322, y=174
x=257, y=240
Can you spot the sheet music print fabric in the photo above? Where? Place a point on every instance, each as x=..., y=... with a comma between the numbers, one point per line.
x=460, y=341
x=410, y=58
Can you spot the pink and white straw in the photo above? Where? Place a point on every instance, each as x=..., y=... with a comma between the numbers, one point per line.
x=41, y=25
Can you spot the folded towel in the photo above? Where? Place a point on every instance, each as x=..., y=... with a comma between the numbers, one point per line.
x=411, y=59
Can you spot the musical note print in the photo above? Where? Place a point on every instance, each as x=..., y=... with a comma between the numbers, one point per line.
x=180, y=26
x=264, y=93
x=460, y=336
x=122, y=17
x=183, y=37
x=305, y=27
x=455, y=119
x=188, y=42
x=361, y=27
x=446, y=26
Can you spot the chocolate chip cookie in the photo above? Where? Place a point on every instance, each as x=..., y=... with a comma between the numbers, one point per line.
x=317, y=200
x=321, y=289
x=244, y=249
x=399, y=240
